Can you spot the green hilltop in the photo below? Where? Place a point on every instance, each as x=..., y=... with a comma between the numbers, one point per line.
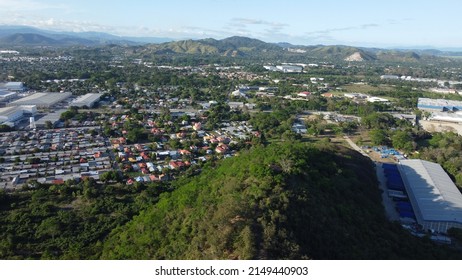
x=233, y=46
x=283, y=201
x=252, y=48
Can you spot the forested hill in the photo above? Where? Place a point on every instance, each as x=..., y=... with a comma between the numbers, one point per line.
x=284, y=201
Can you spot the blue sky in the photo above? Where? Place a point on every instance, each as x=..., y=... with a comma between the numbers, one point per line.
x=369, y=23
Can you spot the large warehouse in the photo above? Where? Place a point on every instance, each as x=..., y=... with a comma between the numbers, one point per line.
x=43, y=99
x=428, y=104
x=88, y=100
x=7, y=95
x=9, y=115
x=15, y=86
x=435, y=199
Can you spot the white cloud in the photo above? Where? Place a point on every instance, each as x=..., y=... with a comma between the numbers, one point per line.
x=27, y=6
x=246, y=23
x=330, y=30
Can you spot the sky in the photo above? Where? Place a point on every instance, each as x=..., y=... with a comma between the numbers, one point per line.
x=367, y=23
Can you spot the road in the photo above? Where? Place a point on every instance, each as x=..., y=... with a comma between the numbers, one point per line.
x=354, y=146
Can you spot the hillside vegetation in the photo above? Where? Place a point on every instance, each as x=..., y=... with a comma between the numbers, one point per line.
x=283, y=201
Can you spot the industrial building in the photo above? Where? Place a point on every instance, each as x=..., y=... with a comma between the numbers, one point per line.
x=439, y=105
x=9, y=115
x=43, y=99
x=88, y=100
x=435, y=199
x=6, y=95
x=389, y=77
x=285, y=68
x=455, y=117
x=290, y=68
x=15, y=86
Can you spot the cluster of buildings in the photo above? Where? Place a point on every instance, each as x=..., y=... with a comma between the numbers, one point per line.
x=236, y=130
x=243, y=90
x=152, y=163
x=52, y=156
x=26, y=107
x=362, y=96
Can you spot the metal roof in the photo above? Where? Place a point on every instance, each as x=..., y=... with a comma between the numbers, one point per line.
x=9, y=111
x=87, y=98
x=439, y=103
x=436, y=196
x=43, y=98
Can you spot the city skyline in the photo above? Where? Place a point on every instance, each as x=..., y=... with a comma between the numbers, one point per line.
x=357, y=22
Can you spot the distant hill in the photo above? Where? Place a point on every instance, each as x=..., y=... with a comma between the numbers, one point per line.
x=360, y=56
x=79, y=38
x=341, y=53
x=283, y=201
x=233, y=46
x=400, y=56
x=27, y=39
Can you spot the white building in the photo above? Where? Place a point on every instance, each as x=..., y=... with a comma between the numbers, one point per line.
x=435, y=199
x=235, y=105
x=9, y=115
x=389, y=77
x=6, y=95
x=356, y=95
x=374, y=99
x=43, y=99
x=439, y=105
x=88, y=100
x=290, y=68
x=15, y=86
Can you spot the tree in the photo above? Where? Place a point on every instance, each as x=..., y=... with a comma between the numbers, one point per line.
x=49, y=227
x=106, y=176
x=48, y=125
x=5, y=128
x=378, y=137
x=403, y=140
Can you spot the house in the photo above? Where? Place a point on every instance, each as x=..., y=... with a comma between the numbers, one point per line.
x=156, y=131
x=174, y=154
x=176, y=164
x=144, y=156
x=163, y=177
x=304, y=94
x=162, y=155
x=185, y=152
x=197, y=126
x=221, y=149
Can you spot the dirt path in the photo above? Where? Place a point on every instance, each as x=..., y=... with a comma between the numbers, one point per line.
x=387, y=201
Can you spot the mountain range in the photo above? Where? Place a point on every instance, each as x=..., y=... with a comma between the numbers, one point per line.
x=13, y=36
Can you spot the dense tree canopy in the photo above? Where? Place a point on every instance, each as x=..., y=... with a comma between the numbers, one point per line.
x=285, y=201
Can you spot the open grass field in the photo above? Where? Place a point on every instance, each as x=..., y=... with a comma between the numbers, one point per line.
x=364, y=88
